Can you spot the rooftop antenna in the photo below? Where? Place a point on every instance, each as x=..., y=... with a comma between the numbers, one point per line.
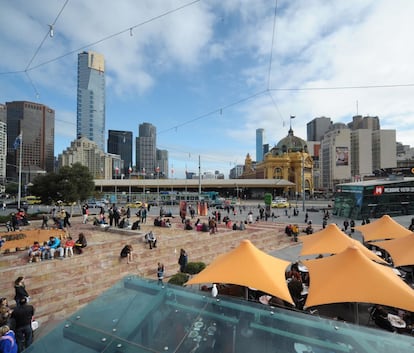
x=357, y=107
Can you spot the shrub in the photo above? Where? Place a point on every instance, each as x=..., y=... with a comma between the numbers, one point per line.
x=195, y=267
x=179, y=279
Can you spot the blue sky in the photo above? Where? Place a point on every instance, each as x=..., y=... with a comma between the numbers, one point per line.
x=208, y=73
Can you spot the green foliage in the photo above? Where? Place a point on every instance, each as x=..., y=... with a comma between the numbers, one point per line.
x=69, y=185
x=12, y=188
x=195, y=267
x=179, y=279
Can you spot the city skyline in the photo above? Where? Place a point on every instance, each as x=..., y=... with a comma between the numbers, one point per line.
x=207, y=74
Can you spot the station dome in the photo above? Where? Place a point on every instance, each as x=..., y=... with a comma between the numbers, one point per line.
x=290, y=143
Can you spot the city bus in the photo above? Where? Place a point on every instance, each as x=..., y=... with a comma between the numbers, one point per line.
x=375, y=198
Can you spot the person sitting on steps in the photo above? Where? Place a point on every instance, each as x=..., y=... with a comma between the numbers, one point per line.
x=151, y=240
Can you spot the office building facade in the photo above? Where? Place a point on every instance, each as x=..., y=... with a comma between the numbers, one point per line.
x=90, y=110
x=162, y=163
x=145, y=150
x=317, y=128
x=335, y=158
x=120, y=143
x=36, y=122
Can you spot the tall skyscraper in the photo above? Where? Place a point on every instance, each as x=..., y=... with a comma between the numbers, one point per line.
x=259, y=144
x=90, y=110
x=36, y=122
x=120, y=142
x=146, y=149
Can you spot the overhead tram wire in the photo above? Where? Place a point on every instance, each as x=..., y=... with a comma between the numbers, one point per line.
x=46, y=35
x=127, y=30
x=218, y=110
x=271, y=47
x=39, y=47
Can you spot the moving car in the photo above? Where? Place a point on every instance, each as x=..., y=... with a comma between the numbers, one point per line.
x=280, y=203
x=136, y=204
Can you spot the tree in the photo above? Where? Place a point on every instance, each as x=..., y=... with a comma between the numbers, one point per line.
x=69, y=185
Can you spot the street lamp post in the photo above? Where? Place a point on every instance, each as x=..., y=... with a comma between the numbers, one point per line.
x=158, y=184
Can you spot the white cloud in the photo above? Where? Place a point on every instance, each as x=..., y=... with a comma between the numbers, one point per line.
x=212, y=54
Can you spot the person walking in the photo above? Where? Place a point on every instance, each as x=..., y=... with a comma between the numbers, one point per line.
x=23, y=316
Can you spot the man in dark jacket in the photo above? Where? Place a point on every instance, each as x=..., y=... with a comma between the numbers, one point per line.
x=23, y=315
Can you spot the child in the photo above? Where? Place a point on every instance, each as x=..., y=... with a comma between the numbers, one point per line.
x=35, y=253
x=160, y=273
x=69, y=244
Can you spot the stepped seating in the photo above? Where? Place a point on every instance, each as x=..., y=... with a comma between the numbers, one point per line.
x=60, y=287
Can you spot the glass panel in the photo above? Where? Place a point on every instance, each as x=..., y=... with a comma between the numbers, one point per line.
x=139, y=315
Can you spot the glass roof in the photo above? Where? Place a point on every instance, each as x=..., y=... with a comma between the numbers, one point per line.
x=139, y=315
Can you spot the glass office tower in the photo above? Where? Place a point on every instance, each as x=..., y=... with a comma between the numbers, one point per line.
x=91, y=98
x=120, y=142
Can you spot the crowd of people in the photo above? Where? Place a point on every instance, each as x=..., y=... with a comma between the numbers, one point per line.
x=17, y=322
x=64, y=247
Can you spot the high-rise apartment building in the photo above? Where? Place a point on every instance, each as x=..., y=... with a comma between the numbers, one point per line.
x=259, y=144
x=317, y=128
x=90, y=110
x=36, y=122
x=120, y=142
x=146, y=149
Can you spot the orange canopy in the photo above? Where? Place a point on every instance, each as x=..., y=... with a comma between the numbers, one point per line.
x=401, y=249
x=248, y=266
x=383, y=228
x=351, y=277
x=332, y=240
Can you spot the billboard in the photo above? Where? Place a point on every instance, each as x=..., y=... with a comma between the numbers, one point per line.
x=342, y=156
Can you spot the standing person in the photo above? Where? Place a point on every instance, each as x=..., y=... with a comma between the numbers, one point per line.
x=8, y=343
x=66, y=221
x=20, y=290
x=14, y=222
x=352, y=225
x=117, y=215
x=111, y=216
x=183, y=260
x=80, y=243
x=160, y=273
x=45, y=219
x=144, y=215
x=85, y=213
x=23, y=315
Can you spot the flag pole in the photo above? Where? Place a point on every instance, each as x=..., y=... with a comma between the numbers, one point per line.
x=19, y=194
